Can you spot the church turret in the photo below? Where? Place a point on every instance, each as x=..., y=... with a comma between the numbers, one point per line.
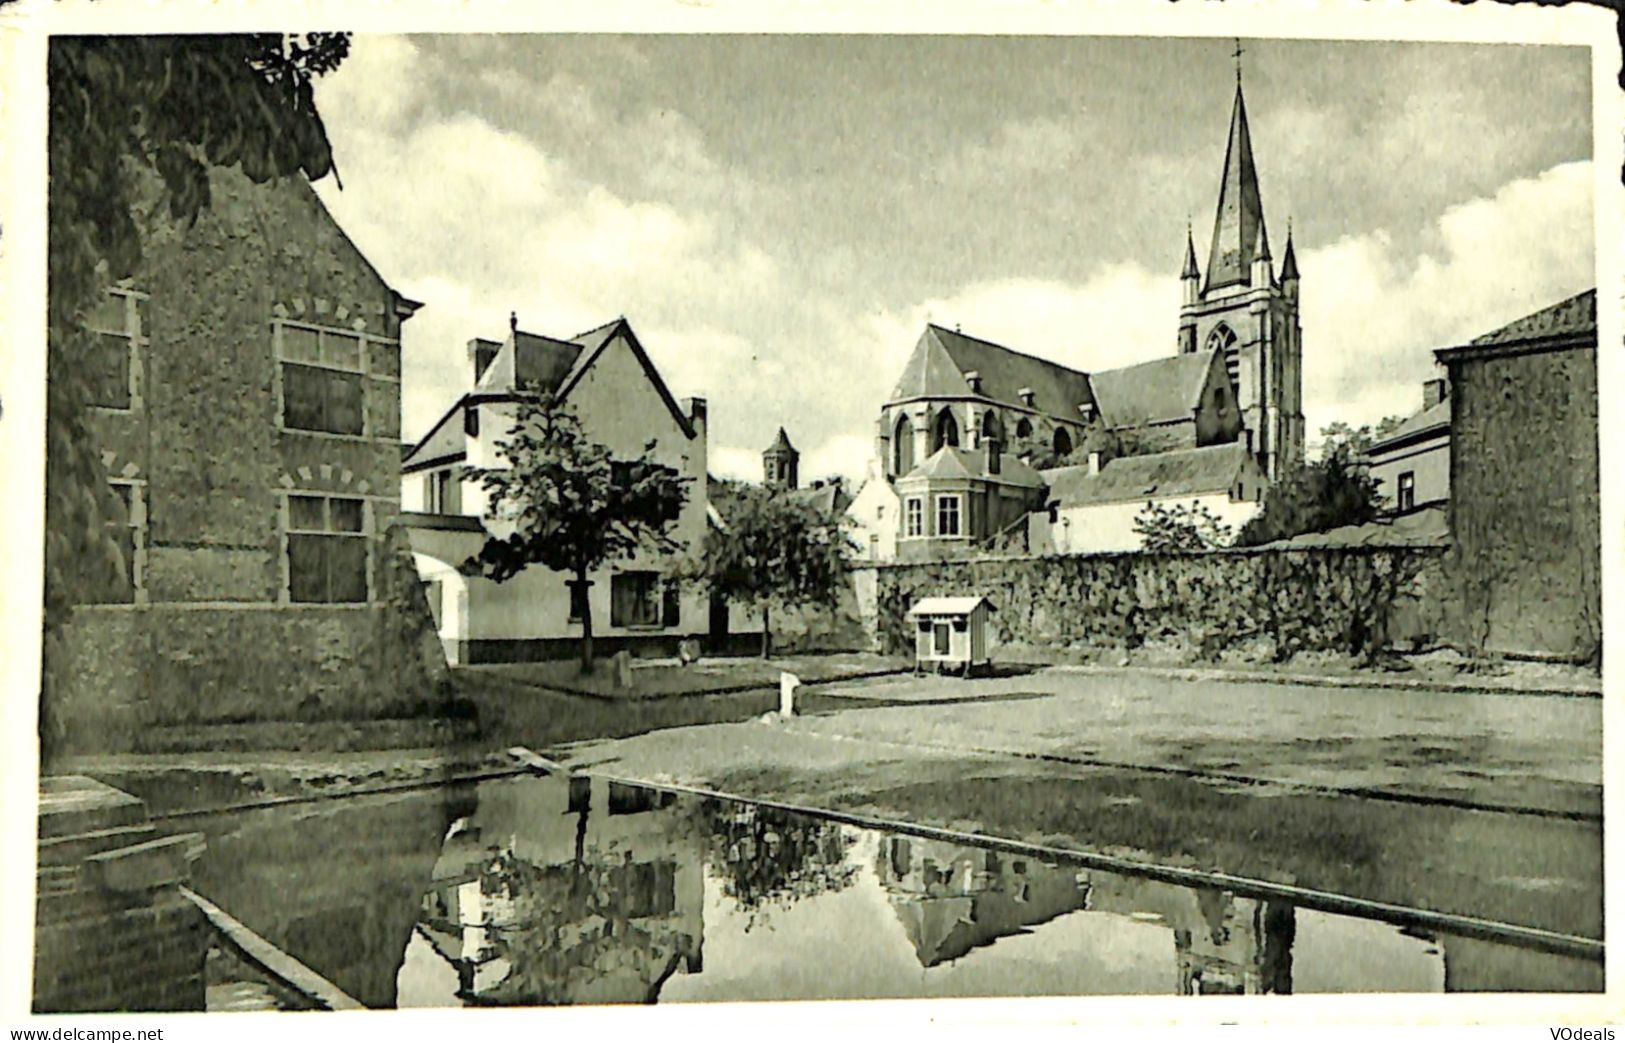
x=780, y=463
x=1289, y=267
x=1191, y=276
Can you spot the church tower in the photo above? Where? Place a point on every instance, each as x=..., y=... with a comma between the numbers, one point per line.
x=780, y=462
x=1242, y=309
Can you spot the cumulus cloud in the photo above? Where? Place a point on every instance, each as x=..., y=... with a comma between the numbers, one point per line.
x=1373, y=315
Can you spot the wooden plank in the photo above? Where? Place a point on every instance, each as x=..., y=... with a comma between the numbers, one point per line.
x=272, y=960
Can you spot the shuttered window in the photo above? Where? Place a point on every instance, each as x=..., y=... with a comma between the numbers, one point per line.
x=327, y=549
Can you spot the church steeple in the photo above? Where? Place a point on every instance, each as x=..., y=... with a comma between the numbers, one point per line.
x=1238, y=225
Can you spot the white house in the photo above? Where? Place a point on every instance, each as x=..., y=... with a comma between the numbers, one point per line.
x=875, y=515
x=606, y=377
x=1092, y=508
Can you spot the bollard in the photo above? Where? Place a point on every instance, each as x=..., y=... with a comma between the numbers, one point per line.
x=787, y=694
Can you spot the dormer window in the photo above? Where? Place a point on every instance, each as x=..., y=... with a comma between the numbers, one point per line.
x=974, y=379
x=1027, y=397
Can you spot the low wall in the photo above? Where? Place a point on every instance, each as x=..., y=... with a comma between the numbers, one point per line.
x=1269, y=603
x=121, y=670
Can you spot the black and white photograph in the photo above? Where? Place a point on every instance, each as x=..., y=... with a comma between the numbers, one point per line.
x=630, y=513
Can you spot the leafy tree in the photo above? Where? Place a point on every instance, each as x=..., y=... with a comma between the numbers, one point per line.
x=776, y=550
x=1356, y=440
x=571, y=506
x=1328, y=494
x=124, y=110
x=1181, y=527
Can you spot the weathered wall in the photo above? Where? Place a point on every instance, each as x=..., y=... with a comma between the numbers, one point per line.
x=1525, y=502
x=1105, y=527
x=160, y=665
x=1271, y=603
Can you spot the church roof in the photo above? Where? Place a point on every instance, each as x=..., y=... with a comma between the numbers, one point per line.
x=1162, y=389
x=1159, y=476
x=1190, y=271
x=781, y=444
x=1239, y=220
x=942, y=358
x=954, y=462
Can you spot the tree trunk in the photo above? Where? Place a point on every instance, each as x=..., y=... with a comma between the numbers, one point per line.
x=586, y=624
x=767, y=632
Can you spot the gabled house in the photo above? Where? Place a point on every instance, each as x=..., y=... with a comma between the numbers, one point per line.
x=246, y=402
x=1092, y=507
x=606, y=376
x=960, y=500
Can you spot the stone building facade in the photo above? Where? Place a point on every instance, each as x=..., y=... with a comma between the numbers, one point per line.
x=1524, y=484
x=247, y=406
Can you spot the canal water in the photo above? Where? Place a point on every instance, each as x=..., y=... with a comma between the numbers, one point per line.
x=549, y=890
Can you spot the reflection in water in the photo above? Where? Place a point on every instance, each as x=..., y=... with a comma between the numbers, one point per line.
x=566, y=891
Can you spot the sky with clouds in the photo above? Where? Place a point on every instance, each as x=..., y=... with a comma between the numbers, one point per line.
x=778, y=216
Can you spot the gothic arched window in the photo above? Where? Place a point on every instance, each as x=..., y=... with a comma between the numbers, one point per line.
x=947, y=432
x=902, y=446
x=1063, y=442
x=992, y=429
x=1024, y=428
x=1223, y=338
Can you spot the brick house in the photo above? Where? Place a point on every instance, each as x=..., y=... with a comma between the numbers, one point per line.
x=1411, y=464
x=1525, y=498
x=623, y=403
x=247, y=405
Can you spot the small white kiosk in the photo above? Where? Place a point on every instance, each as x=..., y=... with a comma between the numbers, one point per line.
x=951, y=633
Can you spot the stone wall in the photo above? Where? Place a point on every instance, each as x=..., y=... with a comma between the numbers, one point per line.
x=1266, y=603
x=113, y=932
x=135, y=668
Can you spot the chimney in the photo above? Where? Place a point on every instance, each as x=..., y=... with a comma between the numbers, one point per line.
x=974, y=379
x=695, y=409
x=993, y=460
x=480, y=355
x=1026, y=396
x=1087, y=411
x=1094, y=462
x=1434, y=391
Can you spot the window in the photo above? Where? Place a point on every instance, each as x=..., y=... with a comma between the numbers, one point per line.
x=903, y=446
x=1024, y=428
x=948, y=515
x=947, y=431
x=327, y=549
x=634, y=599
x=671, y=605
x=1407, y=490
x=992, y=428
x=437, y=493
x=941, y=636
x=471, y=421
x=914, y=517
x=1223, y=338
x=324, y=374
x=115, y=328
x=1063, y=442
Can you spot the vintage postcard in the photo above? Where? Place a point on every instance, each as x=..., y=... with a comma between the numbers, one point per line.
x=680, y=505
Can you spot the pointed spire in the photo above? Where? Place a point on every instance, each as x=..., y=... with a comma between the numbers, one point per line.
x=1289, y=264
x=1191, y=271
x=781, y=443
x=1261, y=246
x=1239, y=220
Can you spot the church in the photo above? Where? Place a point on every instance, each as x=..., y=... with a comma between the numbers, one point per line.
x=982, y=447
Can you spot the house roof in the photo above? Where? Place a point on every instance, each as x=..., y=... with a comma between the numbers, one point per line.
x=1179, y=472
x=949, y=606
x=1163, y=389
x=532, y=362
x=942, y=358
x=1436, y=415
x=1575, y=317
x=954, y=462
x=781, y=443
x=830, y=497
